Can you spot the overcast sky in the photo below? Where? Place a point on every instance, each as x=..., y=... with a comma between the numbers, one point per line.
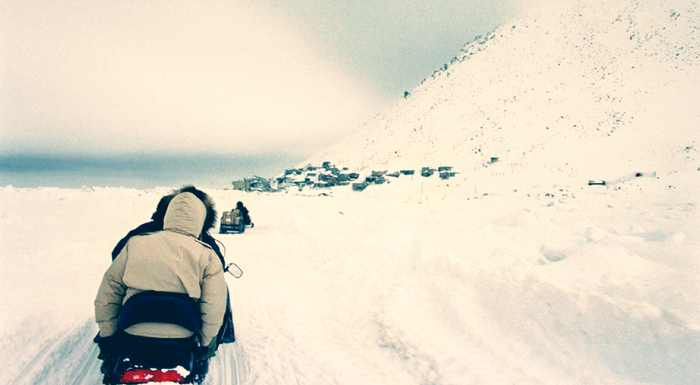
x=229, y=76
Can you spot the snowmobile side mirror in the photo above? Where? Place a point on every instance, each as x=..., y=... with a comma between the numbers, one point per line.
x=234, y=270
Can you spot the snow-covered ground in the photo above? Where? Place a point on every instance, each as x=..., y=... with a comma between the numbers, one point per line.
x=514, y=272
x=476, y=280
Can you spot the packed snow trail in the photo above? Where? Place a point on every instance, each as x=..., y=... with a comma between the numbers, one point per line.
x=66, y=358
x=71, y=358
x=223, y=368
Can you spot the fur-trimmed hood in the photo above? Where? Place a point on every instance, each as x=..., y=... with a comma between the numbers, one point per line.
x=185, y=214
x=162, y=208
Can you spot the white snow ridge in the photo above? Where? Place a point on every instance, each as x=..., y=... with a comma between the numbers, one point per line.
x=514, y=271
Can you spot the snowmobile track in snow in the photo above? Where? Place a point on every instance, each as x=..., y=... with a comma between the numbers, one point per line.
x=224, y=367
x=71, y=358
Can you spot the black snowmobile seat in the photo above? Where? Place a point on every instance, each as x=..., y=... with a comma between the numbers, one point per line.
x=160, y=307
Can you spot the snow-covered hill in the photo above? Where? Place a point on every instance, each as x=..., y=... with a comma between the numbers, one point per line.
x=590, y=89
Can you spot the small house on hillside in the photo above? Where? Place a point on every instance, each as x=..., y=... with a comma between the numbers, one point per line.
x=359, y=186
x=241, y=185
x=447, y=174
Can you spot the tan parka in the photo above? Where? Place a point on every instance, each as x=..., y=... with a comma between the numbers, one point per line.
x=172, y=260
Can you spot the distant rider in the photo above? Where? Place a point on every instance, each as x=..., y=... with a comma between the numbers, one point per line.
x=246, y=215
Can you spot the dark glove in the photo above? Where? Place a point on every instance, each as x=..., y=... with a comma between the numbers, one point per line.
x=209, y=351
x=105, y=344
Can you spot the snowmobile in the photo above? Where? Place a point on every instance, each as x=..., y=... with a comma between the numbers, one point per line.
x=134, y=359
x=231, y=221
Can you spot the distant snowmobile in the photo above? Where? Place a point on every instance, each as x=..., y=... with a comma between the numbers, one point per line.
x=231, y=221
x=235, y=220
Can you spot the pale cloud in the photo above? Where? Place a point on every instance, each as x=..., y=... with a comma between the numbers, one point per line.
x=396, y=43
x=136, y=76
x=222, y=76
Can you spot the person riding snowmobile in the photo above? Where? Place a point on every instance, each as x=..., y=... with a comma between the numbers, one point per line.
x=245, y=213
x=227, y=333
x=172, y=260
